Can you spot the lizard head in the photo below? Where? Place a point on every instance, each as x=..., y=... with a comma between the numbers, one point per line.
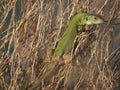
x=91, y=19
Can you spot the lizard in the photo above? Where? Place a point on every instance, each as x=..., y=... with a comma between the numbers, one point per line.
x=77, y=24
x=78, y=21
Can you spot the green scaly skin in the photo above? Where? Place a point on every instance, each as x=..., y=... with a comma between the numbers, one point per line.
x=78, y=21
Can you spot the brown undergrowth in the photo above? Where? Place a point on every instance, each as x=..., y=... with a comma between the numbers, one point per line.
x=29, y=32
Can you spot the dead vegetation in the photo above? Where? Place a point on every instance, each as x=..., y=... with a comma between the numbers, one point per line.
x=29, y=32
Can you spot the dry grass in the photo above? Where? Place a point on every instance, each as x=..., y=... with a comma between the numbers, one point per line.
x=30, y=30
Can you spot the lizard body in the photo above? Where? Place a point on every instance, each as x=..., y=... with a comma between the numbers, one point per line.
x=78, y=21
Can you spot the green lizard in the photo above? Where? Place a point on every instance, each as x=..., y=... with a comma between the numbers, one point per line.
x=78, y=21
x=66, y=42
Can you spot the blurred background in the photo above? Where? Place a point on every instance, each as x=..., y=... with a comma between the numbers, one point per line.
x=30, y=30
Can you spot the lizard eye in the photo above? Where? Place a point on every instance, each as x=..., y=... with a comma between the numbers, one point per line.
x=95, y=18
